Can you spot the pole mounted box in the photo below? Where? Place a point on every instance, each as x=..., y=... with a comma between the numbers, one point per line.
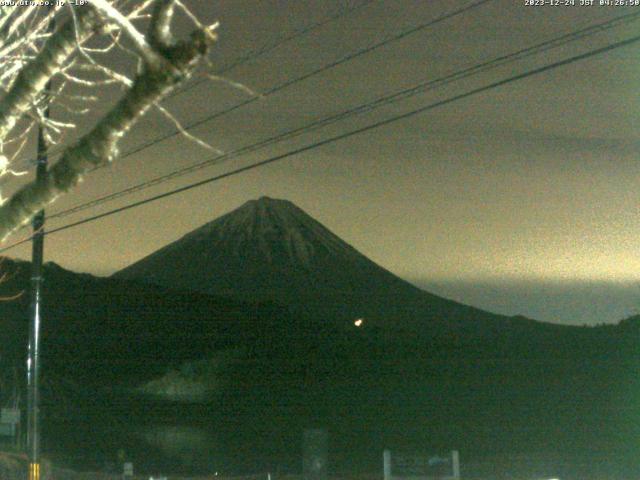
x=9, y=420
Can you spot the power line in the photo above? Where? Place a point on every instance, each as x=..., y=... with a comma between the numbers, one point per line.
x=288, y=83
x=277, y=88
x=393, y=38
x=284, y=85
x=367, y=107
x=252, y=55
x=381, y=123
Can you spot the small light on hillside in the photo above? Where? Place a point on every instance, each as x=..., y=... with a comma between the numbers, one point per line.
x=358, y=322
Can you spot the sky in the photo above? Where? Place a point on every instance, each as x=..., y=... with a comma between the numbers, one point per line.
x=522, y=199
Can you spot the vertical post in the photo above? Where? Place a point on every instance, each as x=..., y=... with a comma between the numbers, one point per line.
x=315, y=451
x=455, y=460
x=386, y=456
x=37, y=253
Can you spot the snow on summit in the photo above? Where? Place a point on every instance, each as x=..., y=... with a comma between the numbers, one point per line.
x=271, y=250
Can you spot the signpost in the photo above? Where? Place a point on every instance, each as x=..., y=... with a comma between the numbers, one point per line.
x=421, y=467
x=127, y=470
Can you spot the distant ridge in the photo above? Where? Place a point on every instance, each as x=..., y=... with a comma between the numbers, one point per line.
x=270, y=249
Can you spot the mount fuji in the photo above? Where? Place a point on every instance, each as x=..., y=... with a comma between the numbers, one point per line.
x=271, y=250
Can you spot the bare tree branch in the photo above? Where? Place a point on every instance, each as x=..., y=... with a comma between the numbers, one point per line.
x=141, y=44
x=160, y=28
x=33, y=78
x=99, y=146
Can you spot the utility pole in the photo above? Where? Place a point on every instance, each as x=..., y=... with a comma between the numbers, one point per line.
x=33, y=361
x=37, y=254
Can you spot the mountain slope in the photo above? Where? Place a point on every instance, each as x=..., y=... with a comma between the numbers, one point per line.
x=90, y=322
x=526, y=386
x=101, y=338
x=271, y=249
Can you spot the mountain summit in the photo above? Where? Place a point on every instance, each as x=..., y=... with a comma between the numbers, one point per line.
x=269, y=249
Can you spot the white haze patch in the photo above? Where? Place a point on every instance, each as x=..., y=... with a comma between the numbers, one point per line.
x=194, y=381
x=576, y=302
x=178, y=386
